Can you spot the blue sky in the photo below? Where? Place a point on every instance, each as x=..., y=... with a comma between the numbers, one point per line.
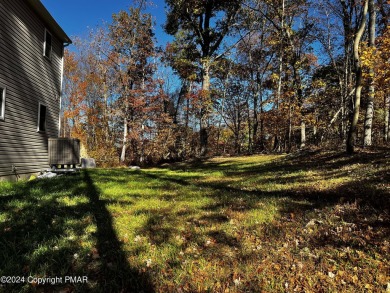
x=77, y=17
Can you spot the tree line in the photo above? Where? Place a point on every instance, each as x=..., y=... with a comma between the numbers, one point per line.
x=239, y=77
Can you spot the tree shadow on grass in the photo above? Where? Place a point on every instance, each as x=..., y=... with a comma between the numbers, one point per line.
x=345, y=224
x=155, y=227
x=302, y=203
x=115, y=269
x=45, y=232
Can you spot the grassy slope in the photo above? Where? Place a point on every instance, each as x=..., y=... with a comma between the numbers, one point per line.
x=315, y=223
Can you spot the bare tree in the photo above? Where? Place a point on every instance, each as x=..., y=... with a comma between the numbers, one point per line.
x=358, y=85
x=371, y=88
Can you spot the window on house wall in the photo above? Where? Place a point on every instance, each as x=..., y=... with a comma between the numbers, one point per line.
x=47, y=45
x=2, y=102
x=42, y=111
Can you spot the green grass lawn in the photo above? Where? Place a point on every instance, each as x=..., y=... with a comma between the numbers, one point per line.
x=318, y=222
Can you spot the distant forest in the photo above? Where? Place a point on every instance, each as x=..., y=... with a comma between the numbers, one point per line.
x=239, y=77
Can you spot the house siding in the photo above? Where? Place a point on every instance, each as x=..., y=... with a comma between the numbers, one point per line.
x=30, y=78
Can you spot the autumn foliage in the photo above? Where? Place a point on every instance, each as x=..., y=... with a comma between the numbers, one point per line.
x=266, y=85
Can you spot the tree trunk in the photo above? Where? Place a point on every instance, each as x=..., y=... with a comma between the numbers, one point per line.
x=220, y=122
x=299, y=93
x=237, y=149
x=348, y=44
x=278, y=129
x=386, y=136
x=250, y=132
x=315, y=132
x=124, y=144
x=258, y=114
x=358, y=86
x=303, y=134
x=289, y=134
x=204, y=111
x=260, y=120
x=187, y=119
x=371, y=89
x=280, y=81
x=187, y=114
x=252, y=128
x=298, y=90
x=105, y=114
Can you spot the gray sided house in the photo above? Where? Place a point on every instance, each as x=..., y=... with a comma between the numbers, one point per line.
x=31, y=65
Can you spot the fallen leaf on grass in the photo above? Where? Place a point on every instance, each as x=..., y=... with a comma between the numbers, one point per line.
x=331, y=275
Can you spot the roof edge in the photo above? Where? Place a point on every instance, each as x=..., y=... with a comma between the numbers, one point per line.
x=55, y=28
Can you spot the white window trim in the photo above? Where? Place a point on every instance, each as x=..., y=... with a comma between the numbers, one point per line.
x=2, y=109
x=44, y=44
x=39, y=118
